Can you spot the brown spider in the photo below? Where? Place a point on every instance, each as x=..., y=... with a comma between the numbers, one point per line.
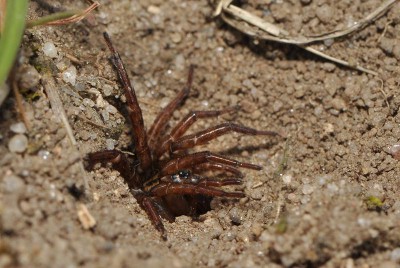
x=165, y=179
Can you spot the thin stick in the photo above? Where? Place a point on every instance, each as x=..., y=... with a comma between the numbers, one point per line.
x=20, y=105
x=62, y=18
x=259, y=28
x=283, y=36
x=58, y=110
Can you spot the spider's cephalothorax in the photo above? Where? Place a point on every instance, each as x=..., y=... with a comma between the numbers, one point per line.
x=175, y=185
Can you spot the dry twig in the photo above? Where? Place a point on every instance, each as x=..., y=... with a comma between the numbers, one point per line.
x=59, y=112
x=255, y=26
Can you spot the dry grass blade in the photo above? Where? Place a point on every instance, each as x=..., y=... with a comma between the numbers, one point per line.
x=63, y=17
x=77, y=17
x=20, y=104
x=58, y=110
x=256, y=27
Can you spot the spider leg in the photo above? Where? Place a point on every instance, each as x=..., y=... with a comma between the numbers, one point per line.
x=192, y=160
x=163, y=117
x=184, y=125
x=135, y=113
x=162, y=209
x=118, y=160
x=217, y=167
x=206, y=182
x=164, y=189
x=211, y=133
x=152, y=211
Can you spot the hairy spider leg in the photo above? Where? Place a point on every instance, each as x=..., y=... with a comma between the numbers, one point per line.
x=204, y=181
x=135, y=113
x=211, y=133
x=164, y=189
x=184, y=125
x=191, y=160
x=152, y=211
x=207, y=182
x=198, y=169
x=119, y=162
x=165, y=115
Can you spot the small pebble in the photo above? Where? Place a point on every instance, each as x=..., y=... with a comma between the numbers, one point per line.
x=387, y=44
x=105, y=115
x=88, y=102
x=325, y=13
x=395, y=255
x=111, y=109
x=50, y=50
x=85, y=217
x=293, y=198
x=230, y=236
x=13, y=183
x=394, y=150
x=287, y=178
x=256, y=229
x=107, y=90
x=307, y=189
x=44, y=154
x=31, y=77
x=329, y=67
x=62, y=65
x=18, y=143
x=69, y=75
x=387, y=264
x=329, y=42
x=153, y=9
x=110, y=144
x=18, y=128
x=180, y=62
x=277, y=105
x=332, y=187
x=235, y=216
x=176, y=37
x=396, y=51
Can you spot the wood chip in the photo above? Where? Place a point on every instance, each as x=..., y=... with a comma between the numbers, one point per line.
x=85, y=217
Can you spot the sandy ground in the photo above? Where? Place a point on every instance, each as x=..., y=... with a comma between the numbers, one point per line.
x=327, y=195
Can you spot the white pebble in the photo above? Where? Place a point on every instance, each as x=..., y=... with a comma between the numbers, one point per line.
x=395, y=255
x=18, y=143
x=93, y=136
x=394, y=150
x=325, y=13
x=307, y=189
x=107, y=90
x=18, y=128
x=180, y=62
x=153, y=9
x=61, y=66
x=69, y=75
x=110, y=143
x=204, y=103
x=329, y=42
x=44, y=154
x=88, y=102
x=105, y=115
x=111, y=109
x=13, y=184
x=50, y=50
x=363, y=222
x=164, y=102
x=287, y=178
